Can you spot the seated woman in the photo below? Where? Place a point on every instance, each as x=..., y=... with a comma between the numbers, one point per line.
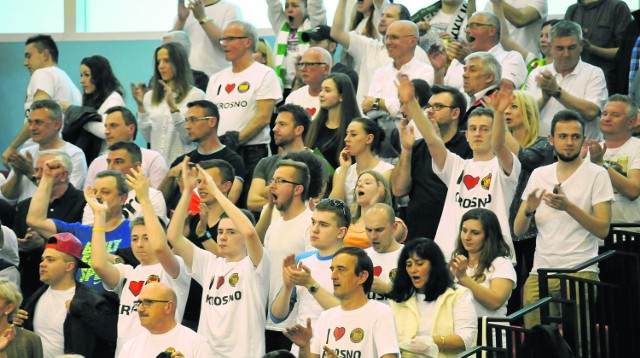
x=481, y=262
x=371, y=188
x=362, y=142
x=15, y=342
x=434, y=317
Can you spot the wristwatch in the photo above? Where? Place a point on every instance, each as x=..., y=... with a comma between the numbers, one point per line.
x=313, y=289
x=529, y=214
x=376, y=105
x=203, y=20
x=558, y=93
x=606, y=165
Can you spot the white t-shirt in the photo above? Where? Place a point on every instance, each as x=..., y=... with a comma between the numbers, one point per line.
x=153, y=166
x=234, y=298
x=383, y=85
x=527, y=36
x=585, y=81
x=285, y=238
x=179, y=338
x=368, y=331
x=440, y=23
x=369, y=55
x=624, y=159
x=132, y=209
x=205, y=56
x=385, y=266
x=501, y=267
x=562, y=242
x=237, y=96
x=166, y=131
x=352, y=179
x=28, y=188
x=302, y=98
x=54, y=82
x=474, y=184
x=135, y=279
x=48, y=320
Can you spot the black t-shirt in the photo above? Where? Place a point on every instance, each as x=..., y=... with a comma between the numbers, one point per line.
x=427, y=191
x=327, y=143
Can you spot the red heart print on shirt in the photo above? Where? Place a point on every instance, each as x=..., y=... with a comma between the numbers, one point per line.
x=338, y=333
x=135, y=287
x=311, y=111
x=470, y=182
x=229, y=87
x=220, y=281
x=377, y=271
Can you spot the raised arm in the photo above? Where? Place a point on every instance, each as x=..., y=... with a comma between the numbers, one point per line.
x=107, y=271
x=213, y=30
x=155, y=233
x=401, y=174
x=436, y=146
x=338, y=32
x=181, y=245
x=518, y=16
x=255, y=251
x=37, y=216
x=499, y=104
x=340, y=176
x=281, y=306
x=505, y=38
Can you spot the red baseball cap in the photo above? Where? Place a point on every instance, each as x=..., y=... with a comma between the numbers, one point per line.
x=67, y=243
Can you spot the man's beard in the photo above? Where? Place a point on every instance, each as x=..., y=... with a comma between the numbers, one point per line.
x=567, y=159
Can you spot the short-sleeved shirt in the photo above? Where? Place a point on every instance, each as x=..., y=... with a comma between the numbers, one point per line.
x=624, y=159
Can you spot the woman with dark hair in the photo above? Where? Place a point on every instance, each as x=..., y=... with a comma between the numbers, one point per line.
x=481, y=262
x=362, y=142
x=338, y=106
x=161, y=111
x=433, y=316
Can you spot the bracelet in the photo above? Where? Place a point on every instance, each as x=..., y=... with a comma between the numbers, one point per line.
x=174, y=110
x=98, y=229
x=442, y=343
x=203, y=20
x=205, y=237
x=529, y=214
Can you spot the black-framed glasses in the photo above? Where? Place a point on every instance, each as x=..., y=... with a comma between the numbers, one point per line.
x=438, y=106
x=309, y=64
x=231, y=38
x=475, y=25
x=279, y=181
x=146, y=303
x=336, y=204
x=193, y=120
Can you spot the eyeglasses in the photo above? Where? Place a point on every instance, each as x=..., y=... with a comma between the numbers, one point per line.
x=438, y=106
x=193, y=120
x=336, y=204
x=231, y=38
x=147, y=303
x=309, y=64
x=475, y=25
x=279, y=181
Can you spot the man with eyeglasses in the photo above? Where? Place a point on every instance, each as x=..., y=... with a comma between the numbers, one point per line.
x=120, y=125
x=315, y=64
x=427, y=192
x=306, y=277
x=245, y=95
x=483, y=34
x=369, y=53
x=287, y=235
x=157, y=304
x=203, y=119
x=401, y=40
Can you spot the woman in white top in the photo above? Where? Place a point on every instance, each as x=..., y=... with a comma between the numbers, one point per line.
x=161, y=111
x=434, y=317
x=481, y=262
x=363, y=141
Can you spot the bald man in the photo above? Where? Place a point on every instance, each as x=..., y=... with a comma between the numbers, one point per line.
x=316, y=63
x=157, y=304
x=401, y=40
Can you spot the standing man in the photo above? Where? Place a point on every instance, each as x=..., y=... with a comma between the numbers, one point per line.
x=316, y=63
x=568, y=83
x=120, y=125
x=401, y=41
x=575, y=213
x=70, y=318
x=245, y=94
x=379, y=224
x=370, y=325
x=287, y=235
x=44, y=125
x=320, y=36
x=157, y=304
x=445, y=108
x=619, y=154
x=47, y=81
x=204, y=28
